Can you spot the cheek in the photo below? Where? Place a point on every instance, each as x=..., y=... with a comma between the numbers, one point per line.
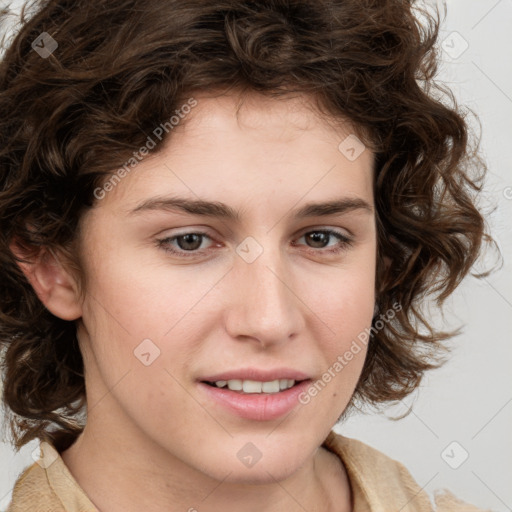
x=345, y=306
x=345, y=302
x=136, y=314
x=144, y=298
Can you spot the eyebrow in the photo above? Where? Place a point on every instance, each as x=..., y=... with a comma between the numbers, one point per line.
x=224, y=211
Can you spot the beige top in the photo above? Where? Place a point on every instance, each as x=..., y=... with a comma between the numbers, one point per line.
x=379, y=484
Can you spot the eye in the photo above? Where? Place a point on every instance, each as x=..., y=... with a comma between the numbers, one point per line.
x=189, y=244
x=319, y=239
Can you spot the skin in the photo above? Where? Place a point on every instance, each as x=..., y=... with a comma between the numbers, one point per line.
x=153, y=441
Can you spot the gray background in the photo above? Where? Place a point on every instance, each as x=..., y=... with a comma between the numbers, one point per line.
x=469, y=401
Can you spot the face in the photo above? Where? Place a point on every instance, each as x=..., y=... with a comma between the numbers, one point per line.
x=208, y=265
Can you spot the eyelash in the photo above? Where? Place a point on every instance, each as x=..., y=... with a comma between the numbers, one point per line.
x=344, y=243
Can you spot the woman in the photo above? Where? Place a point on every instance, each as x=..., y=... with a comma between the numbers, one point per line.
x=219, y=224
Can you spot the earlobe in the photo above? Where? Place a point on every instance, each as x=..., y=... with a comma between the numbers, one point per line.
x=53, y=284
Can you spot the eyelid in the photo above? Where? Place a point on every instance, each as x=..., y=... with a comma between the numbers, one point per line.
x=334, y=229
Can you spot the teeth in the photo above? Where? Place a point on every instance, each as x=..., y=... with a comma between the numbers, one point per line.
x=270, y=387
x=235, y=385
x=253, y=386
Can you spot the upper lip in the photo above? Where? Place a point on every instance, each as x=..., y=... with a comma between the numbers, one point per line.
x=257, y=375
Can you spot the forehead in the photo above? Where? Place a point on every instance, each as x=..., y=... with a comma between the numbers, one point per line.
x=251, y=148
x=281, y=118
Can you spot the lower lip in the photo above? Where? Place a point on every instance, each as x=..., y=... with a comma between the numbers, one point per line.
x=256, y=406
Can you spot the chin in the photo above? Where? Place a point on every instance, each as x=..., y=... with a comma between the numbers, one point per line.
x=278, y=465
x=260, y=474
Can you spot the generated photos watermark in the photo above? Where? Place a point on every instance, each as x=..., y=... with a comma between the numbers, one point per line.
x=344, y=359
x=158, y=133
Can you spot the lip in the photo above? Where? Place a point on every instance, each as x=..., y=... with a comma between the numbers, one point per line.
x=258, y=375
x=255, y=406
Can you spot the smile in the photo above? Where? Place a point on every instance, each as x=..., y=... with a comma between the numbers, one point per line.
x=254, y=386
x=254, y=404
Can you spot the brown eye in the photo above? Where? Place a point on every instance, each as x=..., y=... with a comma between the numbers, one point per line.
x=184, y=243
x=319, y=239
x=189, y=242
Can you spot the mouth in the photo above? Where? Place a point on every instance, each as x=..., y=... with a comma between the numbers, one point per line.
x=246, y=386
x=262, y=397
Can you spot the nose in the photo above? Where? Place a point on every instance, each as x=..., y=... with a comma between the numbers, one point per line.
x=266, y=307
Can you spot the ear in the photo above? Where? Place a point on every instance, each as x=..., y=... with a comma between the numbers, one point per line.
x=53, y=284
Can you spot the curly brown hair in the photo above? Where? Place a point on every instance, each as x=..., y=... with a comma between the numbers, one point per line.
x=123, y=66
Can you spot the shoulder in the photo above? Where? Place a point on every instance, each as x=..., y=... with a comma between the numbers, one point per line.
x=32, y=492
x=48, y=486
x=381, y=483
